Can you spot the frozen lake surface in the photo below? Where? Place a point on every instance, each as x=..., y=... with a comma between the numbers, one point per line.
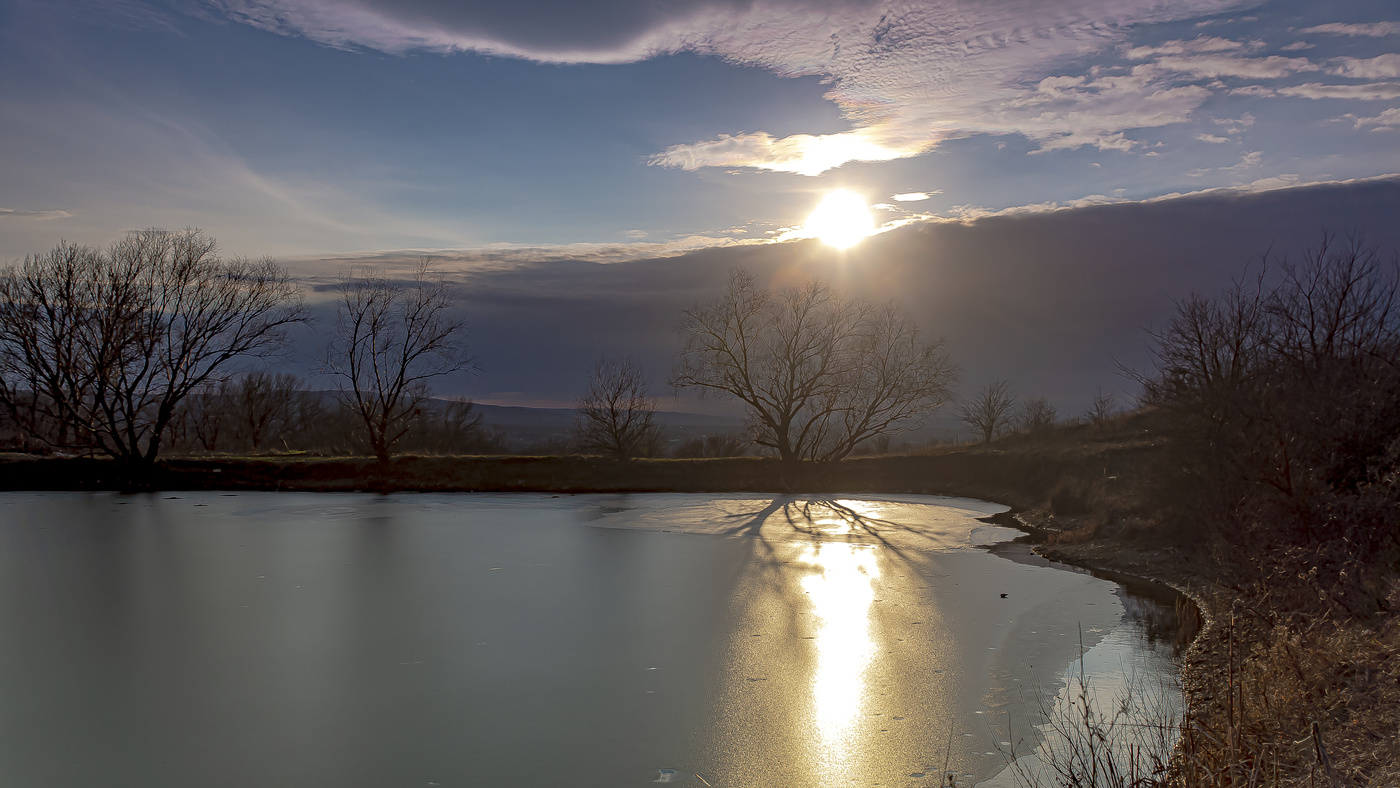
x=307, y=639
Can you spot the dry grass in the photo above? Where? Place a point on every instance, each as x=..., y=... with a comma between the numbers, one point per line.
x=1093, y=739
x=1299, y=700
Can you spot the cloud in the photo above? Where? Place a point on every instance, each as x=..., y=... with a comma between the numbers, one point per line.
x=913, y=196
x=1380, y=67
x=907, y=76
x=1212, y=139
x=1272, y=67
x=1249, y=160
x=1234, y=125
x=502, y=256
x=1274, y=183
x=1287, y=181
x=1071, y=287
x=1205, y=45
x=1388, y=120
x=804, y=154
x=319, y=271
x=1376, y=91
x=1373, y=29
x=131, y=15
x=37, y=216
x=621, y=31
x=174, y=170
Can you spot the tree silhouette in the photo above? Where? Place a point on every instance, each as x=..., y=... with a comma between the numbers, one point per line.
x=818, y=371
x=615, y=415
x=106, y=344
x=990, y=411
x=390, y=340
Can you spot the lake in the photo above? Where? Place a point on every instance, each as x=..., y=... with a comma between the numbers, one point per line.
x=295, y=639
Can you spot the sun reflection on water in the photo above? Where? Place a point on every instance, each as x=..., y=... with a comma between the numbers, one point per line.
x=841, y=590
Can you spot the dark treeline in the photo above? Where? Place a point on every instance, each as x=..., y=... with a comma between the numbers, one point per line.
x=1281, y=401
x=154, y=344
x=1278, y=473
x=258, y=412
x=262, y=412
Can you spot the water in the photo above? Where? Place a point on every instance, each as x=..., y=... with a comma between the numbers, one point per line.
x=289, y=639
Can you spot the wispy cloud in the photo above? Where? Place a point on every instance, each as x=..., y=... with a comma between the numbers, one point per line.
x=174, y=170
x=1197, y=46
x=1272, y=67
x=805, y=154
x=120, y=14
x=1372, y=29
x=37, y=216
x=913, y=196
x=494, y=257
x=963, y=213
x=908, y=77
x=1235, y=125
x=1388, y=120
x=1375, y=91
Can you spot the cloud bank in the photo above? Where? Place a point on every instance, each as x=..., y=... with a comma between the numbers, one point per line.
x=1051, y=297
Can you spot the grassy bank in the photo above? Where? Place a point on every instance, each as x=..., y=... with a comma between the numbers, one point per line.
x=1019, y=475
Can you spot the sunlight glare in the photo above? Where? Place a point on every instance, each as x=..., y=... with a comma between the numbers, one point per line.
x=841, y=220
x=841, y=592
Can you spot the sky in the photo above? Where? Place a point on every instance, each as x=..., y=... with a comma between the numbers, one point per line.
x=597, y=151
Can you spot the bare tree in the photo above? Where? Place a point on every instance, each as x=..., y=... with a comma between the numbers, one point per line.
x=107, y=344
x=1290, y=381
x=1101, y=408
x=390, y=339
x=615, y=416
x=819, y=372
x=990, y=411
x=1037, y=415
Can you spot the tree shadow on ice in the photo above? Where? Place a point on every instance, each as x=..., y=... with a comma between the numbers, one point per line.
x=820, y=519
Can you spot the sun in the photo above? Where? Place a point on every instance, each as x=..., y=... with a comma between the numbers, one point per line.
x=841, y=220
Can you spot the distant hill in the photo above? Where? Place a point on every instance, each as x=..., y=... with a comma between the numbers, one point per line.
x=543, y=428
x=516, y=416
